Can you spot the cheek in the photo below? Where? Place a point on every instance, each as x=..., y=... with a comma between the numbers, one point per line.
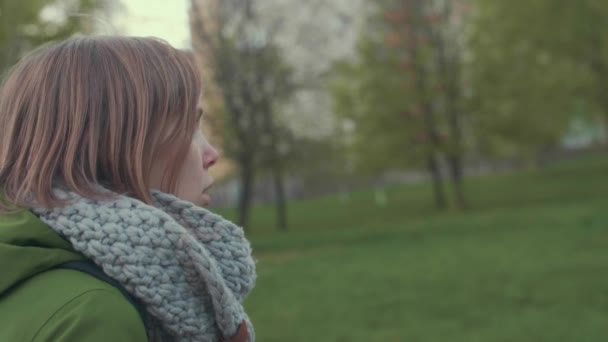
x=193, y=165
x=192, y=180
x=159, y=167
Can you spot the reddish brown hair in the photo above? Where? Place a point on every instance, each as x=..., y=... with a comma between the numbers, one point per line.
x=94, y=111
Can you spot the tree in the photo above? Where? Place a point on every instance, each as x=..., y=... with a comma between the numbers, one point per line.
x=276, y=87
x=398, y=88
x=446, y=27
x=532, y=64
x=26, y=24
x=247, y=67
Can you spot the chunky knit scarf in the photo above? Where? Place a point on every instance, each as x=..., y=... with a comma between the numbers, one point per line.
x=189, y=268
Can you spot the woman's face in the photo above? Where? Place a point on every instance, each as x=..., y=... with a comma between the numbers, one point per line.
x=193, y=179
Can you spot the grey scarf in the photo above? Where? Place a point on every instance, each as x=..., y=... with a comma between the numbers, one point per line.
x=190, y=268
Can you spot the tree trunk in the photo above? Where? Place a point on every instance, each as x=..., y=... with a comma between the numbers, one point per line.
x=605, y=130
x=449, y=68
x=456, y=175
x=247, y=177
x=456, y=150
x=417, y=26
x=279, y=190
x=276, y=169
x=437, y=181
x=600, y=69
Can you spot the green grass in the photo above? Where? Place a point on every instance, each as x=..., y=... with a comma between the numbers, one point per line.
x=529, y=262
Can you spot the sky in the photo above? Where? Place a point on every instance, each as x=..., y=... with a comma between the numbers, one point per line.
x=166, y=19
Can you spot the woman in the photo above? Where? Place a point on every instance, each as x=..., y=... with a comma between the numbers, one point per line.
x=102, y=162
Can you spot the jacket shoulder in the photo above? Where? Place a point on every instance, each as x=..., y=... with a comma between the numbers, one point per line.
x=68, y=306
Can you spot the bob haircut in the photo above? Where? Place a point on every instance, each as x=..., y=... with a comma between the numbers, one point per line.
x=92, y=113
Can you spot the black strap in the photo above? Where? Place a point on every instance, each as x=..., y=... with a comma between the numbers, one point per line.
x=92, y=269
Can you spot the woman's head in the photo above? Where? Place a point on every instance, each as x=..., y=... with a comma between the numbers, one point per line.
x=121, y=112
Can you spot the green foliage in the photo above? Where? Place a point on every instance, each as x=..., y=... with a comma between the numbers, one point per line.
x=523, y=266
x=402, y=89
x=529, y=66
x=532, y=64
x=26, y=24
x=375, y=95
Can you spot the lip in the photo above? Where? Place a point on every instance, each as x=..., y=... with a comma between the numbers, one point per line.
x=206, y=190
x=205, y=195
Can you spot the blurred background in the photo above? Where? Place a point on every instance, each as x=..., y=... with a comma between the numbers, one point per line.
x=407, y=170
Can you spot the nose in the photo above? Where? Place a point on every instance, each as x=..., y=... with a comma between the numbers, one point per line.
x=210, y=156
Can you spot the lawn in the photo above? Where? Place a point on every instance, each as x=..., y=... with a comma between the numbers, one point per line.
x=529, y=262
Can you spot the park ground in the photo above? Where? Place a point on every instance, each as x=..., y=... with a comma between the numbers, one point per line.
x=528, y=262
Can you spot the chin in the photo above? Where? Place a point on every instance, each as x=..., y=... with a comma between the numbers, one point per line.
x=204, y=200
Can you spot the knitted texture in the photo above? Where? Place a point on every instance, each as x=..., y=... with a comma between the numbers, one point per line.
x=190, y=268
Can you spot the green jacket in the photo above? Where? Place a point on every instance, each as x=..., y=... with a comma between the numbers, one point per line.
x=38, y=303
